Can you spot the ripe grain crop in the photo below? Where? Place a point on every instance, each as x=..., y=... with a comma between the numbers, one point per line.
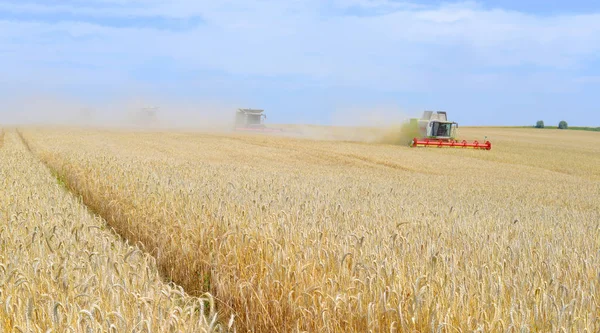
x=324, y=236
x=62, y=269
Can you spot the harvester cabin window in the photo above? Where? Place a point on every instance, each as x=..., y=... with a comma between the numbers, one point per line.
x=254, y=119
x=441, y=129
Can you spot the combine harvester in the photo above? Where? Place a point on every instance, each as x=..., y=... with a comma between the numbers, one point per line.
x=144, y=117
x=436, y=131
x=252, y=120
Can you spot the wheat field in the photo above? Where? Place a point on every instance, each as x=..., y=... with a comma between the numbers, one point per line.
x=297, y=234
x=62, y=269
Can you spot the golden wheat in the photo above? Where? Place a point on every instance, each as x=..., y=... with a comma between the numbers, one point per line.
x=62, y=269
x=307, y=235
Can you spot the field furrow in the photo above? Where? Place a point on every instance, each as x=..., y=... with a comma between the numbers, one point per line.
x=307, y=235
x=62, y=269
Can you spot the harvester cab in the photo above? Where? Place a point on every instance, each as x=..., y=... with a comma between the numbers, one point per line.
x=249, y=118
x=252, y=120
x=435, y=130
x=436, y=126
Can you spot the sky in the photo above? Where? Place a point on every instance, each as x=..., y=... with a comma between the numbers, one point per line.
x=312, y=62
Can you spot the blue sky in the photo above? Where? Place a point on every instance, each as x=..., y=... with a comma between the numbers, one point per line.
x=313, y=61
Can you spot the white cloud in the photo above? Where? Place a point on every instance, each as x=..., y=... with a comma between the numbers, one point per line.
x=404, y=45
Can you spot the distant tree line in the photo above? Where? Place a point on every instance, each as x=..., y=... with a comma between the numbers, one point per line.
x=561, y=125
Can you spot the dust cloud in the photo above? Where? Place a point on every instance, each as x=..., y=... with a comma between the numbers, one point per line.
x=135, y=112
x=379, y=124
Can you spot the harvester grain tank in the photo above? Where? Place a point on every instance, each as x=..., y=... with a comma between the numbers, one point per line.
x=252, y=120
x=435, y=130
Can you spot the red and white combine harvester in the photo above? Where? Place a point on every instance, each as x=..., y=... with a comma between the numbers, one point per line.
x=434, y=130
x=252, y=120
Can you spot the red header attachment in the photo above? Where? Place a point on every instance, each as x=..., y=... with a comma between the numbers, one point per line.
x=450, y=143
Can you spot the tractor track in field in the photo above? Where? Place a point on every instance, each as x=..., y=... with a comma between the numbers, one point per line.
x=60, y=180
x=85, y=200
x=114, y=221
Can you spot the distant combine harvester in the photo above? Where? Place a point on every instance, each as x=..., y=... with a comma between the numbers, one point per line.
x=146, y=116
x=252, y=120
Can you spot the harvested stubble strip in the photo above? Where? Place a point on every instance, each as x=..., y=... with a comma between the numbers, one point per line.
x=61, y=269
